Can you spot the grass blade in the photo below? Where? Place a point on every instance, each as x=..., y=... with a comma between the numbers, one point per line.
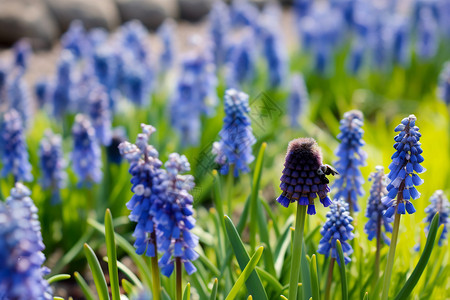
x=84, y=286
x=366, y=296
x=112, y=256
x=273, y=282
x=418, y=270
x=249, y=269
x=57, y=278
x=342, y=269
x=127, y=286
x=314, y=278
x=304, y=270
x=254, y=284
x=264, y=235
x=96, y=269
x=214, y=289
x=128, y=273
x=187, y=292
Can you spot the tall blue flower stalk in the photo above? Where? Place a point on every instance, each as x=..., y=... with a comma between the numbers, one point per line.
x=18, y=95
x=22, y=51
x=375, y=213
x=351, y=158
x=75, y=40
x=219, y=27
x=427, y=40
x=402, y=180
x=166, y=33
x=62, y=96
x=13, y=148
x=106, y=65
x=86, y=155
x=303, y=180
x=439, y=203
x=241, y=60
x=21, y=257
x=175, y=218
x=298, y=99
x=444, y=84
x=234, y=150
x=100, y=115
x=52, y=163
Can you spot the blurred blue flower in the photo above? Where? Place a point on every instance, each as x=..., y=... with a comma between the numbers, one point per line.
x=137, y=80
x=175, y=218
x=42, y=91
x=401, y=39
x=166, y=33
x=235, y=145
x=302, y=8
x=241, y=59
x=337, y=227
x=22, y=51
x=219, y=27
x=376, y=209
x=18, y=95
x=133, y=37
x=147, y=185
x=100, y=115
x=75, y=40
x=62, y=96
x=357, y=56
x=298, y=99
x=118, y=136
x=106, y=65
x=439, y=203
x=404, y=168
x=427, y=40
x=13, y=148
x=304, y=176
x=243, y=13
x=346, y=7
x=21, y=257
x=86, y=155
x=444, y=84
x=351, y=158
x=52, y=163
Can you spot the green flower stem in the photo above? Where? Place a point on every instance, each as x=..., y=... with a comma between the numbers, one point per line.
x=178, y=270
x=155, y=272
x=229, y=187
x=377, y=254
x=329, y=278
x=296, y=251
x=390, y=261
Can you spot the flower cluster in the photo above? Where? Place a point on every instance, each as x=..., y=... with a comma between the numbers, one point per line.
x=166, y=33
x=337, y=227
x=351, y=158
x=235, y=145
x=17, y=93
x=100, y=115
x=376, y=209
x=21, y=257
x=404, y=169
x=86, y=154
x=444, y=83
x=304, y=176
x=62, y=94
x=51, y=159
x=174, y=217
x=219, y=18
x=13, y=148
x=439, y=203
x=241, y=59
x=298, y=98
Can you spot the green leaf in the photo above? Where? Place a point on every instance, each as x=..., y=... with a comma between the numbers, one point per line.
x=314, y=278
x=209, y=265
x=58, y=277
x=271, y=280
x=128, y=273
x=254, y=284
x=58, y=298
x=415, y=276
x=96, y=269
x=127, y=286
x=214, y=289
x=187, y=292
x=342, y=269
x=283, y=245
x=304, y=270
x=199, y=285
x=366, y=296
x=249, y=269
x=264, y=235
x=84, y=286
x=112, y=256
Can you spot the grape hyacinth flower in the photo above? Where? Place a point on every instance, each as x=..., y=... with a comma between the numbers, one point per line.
x=21, y=257
x=75, y=40
x=62, y=96
x=376, y=209
x=13, y=148
x=18, y=94
x=118, y=136
x=351, y=159
x=174, y=218
x=234, y=150
x=100, y=115
x=241, y=60
x=166, y=33
x=439, y=203
x=219, y=19
x=404, y=169
x=86, y=154
x=402, y=180
x=22, y=51
x=52, y=163
x=106, y=64
x=337, y=227
x=444, y=84
x=303, y=176
x=298, y=99
x=427, y=35
x=41, y=92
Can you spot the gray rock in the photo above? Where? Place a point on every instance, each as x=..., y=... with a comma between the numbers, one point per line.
x=194, y=10
x=151, y=13
x=93, y=13
x=27, y=18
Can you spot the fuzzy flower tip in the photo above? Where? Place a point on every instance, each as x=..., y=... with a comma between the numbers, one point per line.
x=404, y=168
x=86, y=154
x=235, y=146
x=337, y=227
x=175, y=217
x=147, y=179
x=13, y=148
x=444, y=84
x=51, y=158
x=21, y=257
x=439, y=203
x=351, y=158
x=304, y=175
x=376, y=209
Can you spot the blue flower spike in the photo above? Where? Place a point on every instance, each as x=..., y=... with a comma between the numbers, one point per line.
x=439, y=203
